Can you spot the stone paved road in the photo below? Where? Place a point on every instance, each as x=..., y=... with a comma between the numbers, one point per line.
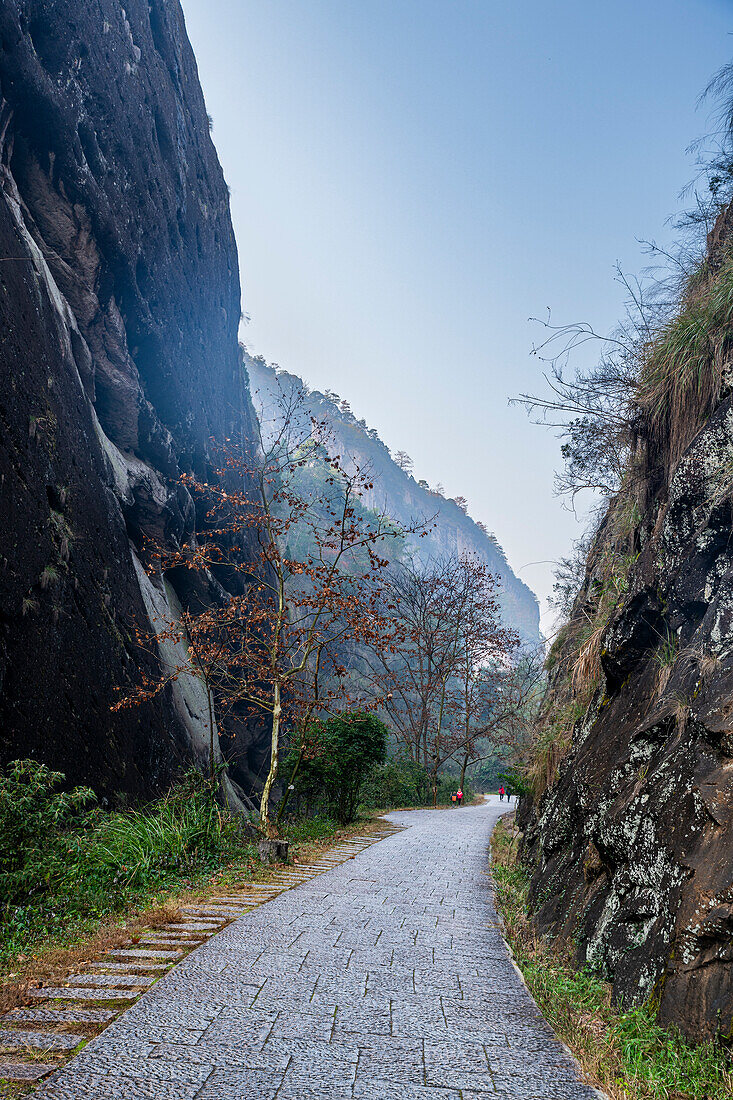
x=383, y=978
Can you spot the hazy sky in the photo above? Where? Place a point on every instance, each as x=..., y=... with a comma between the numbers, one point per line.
x=413, y=179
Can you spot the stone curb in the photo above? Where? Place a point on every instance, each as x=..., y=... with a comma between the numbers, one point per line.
x=492, y=885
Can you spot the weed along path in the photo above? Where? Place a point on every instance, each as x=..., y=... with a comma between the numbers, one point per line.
x=384, y=977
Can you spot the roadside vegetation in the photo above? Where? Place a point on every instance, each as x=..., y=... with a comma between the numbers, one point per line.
x=400, y=783
x=75, y=877
x=625, y=1052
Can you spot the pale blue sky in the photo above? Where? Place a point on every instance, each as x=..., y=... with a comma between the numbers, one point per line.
x=413, y=179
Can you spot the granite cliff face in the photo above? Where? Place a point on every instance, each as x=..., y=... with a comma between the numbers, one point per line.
x=401, y=496
x=633, y=843
x=119, y=308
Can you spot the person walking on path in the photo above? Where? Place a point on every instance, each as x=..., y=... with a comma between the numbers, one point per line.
x=459, y=796
x=508, y=795
x=501, y=793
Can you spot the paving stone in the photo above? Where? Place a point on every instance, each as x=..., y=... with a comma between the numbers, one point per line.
x=25, y=1071
x=222, y=911
x=241, y=1085
x=42, y=1040
x=292, y=1090
x=242, y=1025
x=355, y=1019
x=121, y=1062
x=60, y=1015
x=71, y=993
x=68, y=1084
x=368, y=976
x=299, y=1025
x=388, y=1060
x=384, y=1089
x=143, y=953
x=112, y=979
x=185, y=943
x=456, y=1074
x=134, y=964
x=183, y=935
x=191, y=926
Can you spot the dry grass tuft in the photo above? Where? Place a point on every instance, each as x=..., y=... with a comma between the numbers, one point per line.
x=681, y=712
x=587, y=668
x=682, y=374
x=663, y=674
x=708, y=665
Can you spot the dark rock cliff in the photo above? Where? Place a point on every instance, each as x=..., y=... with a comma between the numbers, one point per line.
x=119, y=303
x=633, y=843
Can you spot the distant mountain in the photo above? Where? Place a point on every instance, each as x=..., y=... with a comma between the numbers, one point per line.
x=400, y=495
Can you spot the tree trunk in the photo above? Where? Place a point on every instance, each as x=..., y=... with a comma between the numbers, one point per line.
x=286, y=792
x=434, y=784
x=274, y=762
x=463, y=772
x=211, y=734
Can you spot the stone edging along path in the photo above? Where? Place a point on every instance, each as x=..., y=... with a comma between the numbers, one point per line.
x=39, y=1038
x=386, y=977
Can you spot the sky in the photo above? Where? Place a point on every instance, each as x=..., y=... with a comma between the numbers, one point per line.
x=413, y=180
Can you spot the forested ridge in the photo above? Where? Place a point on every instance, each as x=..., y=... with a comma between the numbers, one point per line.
x=398, y=489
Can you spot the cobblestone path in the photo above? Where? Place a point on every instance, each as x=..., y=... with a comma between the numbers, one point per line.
x=383, y=979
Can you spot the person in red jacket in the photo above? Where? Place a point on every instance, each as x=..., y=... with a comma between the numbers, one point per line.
x=459, y=796
x=501, y=793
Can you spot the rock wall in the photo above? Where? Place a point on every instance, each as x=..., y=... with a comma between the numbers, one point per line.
x=633, y=843
x=119, y=310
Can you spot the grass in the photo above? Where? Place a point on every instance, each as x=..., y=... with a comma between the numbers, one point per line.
x=665, y=656
x=50, y=956
x=666, y=652
x=682, y=374
x=575, y=659
x=553, y=740
x=87, y=882
x=625, y=1052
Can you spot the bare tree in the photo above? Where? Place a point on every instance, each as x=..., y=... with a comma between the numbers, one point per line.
x=452, y=635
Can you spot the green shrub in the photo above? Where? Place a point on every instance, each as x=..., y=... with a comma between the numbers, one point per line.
x=34, y=815
x=402, y=782
x=65, y=864
x=399, y=781
x=341, y=753
x=514, y=782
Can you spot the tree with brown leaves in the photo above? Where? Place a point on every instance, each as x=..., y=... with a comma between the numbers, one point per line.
x=276, y=645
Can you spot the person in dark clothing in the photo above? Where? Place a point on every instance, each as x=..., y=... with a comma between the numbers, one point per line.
x=508, y=795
